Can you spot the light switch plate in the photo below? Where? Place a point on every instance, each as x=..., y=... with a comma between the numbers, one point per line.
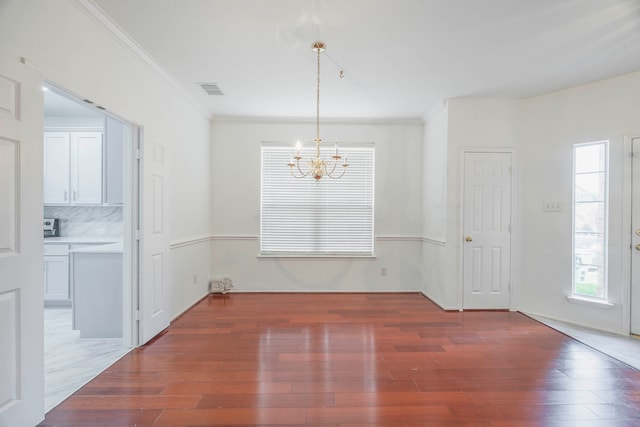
x=551, y=206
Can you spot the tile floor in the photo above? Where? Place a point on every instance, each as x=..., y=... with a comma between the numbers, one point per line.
x=71, y=362
x=623, y=348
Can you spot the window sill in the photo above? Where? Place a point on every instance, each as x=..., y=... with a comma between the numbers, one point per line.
x=590, y=302
x=310, y=256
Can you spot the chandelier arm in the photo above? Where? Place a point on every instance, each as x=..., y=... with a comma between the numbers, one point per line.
x=335, y=164
x=297, y=164
x=293, y=173
x=344, y=170
x=300, y=169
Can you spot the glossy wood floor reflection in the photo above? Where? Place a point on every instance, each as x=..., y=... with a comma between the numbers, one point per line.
x=355, y=360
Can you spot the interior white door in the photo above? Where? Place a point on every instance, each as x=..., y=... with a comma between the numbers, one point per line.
x=487, y=230
x=21, y=296
x=635, y=237
x=154, y=298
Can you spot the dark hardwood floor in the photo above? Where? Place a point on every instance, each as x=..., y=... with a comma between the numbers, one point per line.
x=355, y=360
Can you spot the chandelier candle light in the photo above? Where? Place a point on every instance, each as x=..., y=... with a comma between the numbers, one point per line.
x=317, y=167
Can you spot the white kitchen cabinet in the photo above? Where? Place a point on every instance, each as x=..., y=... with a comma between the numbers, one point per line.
x=73, y=168
x=56, y=167
x=56, y=275
x=96, y=274
x=115, y=132
x=86, y=168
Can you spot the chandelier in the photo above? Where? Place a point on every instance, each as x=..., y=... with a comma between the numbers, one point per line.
x=318, y=167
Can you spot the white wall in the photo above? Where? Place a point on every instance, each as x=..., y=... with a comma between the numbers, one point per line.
x=436, y=283
x=190, y=273
x=66, y=122
x=470, y=123
x=605, y=110
x=436, y=136
x=542, y=131
x=235, y=209
x=75, y=53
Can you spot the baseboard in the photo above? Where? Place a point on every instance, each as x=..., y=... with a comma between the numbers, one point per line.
x=179, y=315
x=321, y=291
x=582, y=325
x=440, y=306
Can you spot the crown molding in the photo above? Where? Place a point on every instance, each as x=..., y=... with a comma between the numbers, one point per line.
x=407, y=121
x=109, y=26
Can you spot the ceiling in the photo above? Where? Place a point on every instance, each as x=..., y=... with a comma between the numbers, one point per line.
x=399, y=57
x=60, y=106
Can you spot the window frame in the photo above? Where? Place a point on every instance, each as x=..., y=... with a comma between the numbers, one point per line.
x=346, y=149
x=604, y=225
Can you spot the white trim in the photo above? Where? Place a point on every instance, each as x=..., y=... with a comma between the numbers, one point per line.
x=334, y=218
x=384, y=238
x=104, y=21
x=436, y=302
x=607, y=172
x=408, y=121
x=533, y=315
x=74, y=129
x=627, y=231
x=399, y=238
x=233, y=237
x=321, y=291
x=590, y=302
x=343, y=144
x=318, y=257
x=627, y=188
x=189, y=242
x=434, y=241
x=488, y=150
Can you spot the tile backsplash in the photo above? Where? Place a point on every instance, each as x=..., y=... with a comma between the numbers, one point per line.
x=88, y=221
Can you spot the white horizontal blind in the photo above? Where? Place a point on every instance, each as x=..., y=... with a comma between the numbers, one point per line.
x=302, y=216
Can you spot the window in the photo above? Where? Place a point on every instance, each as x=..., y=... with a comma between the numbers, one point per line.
x=590, y=202
x=300, y=216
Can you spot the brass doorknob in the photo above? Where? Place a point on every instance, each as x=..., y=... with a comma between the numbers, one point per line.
x=470, y=239
x=638, y=247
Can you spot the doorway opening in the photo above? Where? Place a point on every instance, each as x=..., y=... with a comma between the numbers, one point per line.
x=91, y=210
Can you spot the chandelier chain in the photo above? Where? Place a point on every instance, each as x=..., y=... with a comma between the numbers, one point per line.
x=318, y=100
x=318, y=167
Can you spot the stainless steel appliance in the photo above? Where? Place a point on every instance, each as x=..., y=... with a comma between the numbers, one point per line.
x=51, y=227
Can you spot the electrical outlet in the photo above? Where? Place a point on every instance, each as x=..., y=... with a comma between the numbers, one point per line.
x=195, y=278
x=383, y=271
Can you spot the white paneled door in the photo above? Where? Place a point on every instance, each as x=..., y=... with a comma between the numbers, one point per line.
x=635, y=238
x=487, y=230
x=154, y=298
x=21, y=299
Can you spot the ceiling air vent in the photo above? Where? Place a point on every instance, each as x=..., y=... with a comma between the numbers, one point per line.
x=211, y=88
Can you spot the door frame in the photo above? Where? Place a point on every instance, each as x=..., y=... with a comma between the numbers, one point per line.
x=513, y=240
x=132, y=195
x=627, y=210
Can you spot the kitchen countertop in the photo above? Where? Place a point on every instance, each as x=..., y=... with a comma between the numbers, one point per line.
x=81, y=240
x=110, y=248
